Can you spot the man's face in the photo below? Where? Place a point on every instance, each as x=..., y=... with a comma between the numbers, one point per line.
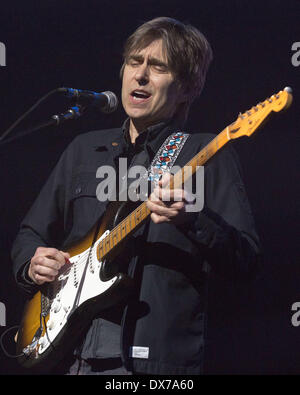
x=149, y=91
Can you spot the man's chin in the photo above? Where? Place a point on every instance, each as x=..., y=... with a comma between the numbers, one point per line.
x=142, y=122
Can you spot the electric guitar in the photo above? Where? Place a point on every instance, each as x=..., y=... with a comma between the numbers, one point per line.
x=62, y=310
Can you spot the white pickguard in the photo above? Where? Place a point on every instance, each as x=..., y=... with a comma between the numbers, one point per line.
x=66, y=287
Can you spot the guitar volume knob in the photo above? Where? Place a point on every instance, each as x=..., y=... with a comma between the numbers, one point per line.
x=56, y=306
x=50, y=324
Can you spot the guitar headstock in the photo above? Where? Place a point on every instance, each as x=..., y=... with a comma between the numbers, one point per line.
x=250, y=120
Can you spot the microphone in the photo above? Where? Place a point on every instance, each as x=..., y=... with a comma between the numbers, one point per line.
x=107, y=101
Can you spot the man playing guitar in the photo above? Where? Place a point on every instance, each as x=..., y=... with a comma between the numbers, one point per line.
x=161, y=327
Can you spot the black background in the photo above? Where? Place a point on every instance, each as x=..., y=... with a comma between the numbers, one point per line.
x=79, y=44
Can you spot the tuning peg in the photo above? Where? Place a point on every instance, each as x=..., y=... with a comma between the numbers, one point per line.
x=288, y=89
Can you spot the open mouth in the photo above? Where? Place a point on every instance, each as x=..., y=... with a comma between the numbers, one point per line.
x=140, y=95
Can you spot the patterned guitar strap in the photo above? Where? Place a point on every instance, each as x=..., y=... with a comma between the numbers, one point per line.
x=162, y=163
x=166, y=156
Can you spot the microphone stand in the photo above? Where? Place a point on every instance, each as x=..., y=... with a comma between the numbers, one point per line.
x=72, y=113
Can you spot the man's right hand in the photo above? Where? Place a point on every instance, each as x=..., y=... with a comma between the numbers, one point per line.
x=46, y=263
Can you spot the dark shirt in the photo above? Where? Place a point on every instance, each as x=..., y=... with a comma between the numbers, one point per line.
x=169, y=263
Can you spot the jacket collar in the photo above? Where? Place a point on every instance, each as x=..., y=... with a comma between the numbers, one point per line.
x=152, y=137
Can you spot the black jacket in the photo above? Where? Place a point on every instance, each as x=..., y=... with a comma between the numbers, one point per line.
x=169, y=263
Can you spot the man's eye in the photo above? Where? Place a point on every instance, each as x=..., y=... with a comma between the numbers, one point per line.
x=160, y=68
x=134, y=63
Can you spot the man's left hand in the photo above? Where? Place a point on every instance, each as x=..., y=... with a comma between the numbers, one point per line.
x=168, y=205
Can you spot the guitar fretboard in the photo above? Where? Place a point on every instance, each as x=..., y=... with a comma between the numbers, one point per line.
x=138, y=216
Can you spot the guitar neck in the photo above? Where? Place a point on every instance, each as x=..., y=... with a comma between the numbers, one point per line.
x=138, y=216
x=200, y=159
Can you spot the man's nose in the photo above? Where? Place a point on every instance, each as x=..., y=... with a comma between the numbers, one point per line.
x=142, y=74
